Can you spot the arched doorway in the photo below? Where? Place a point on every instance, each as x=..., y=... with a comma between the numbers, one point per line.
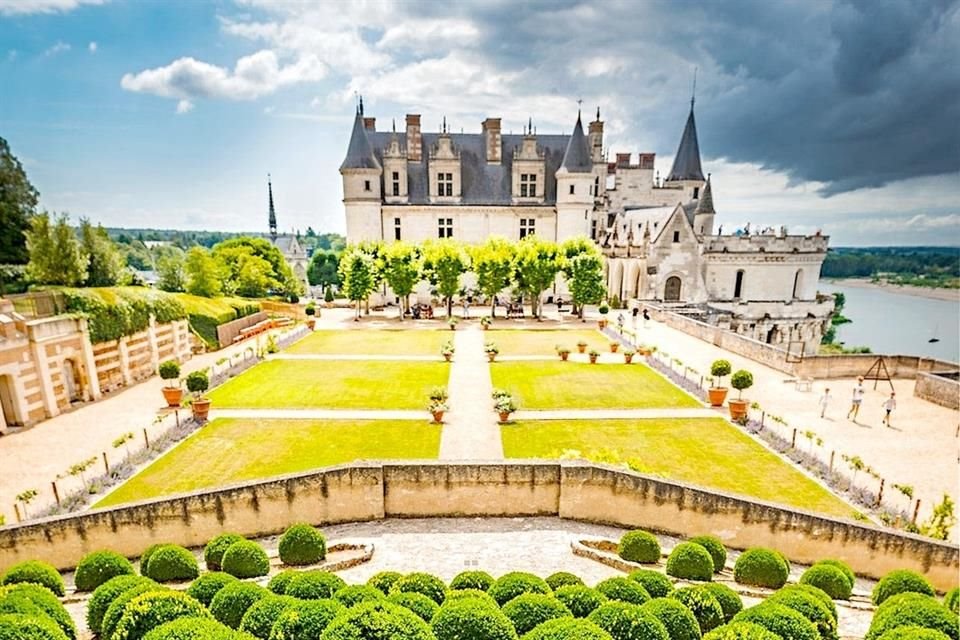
x=8, y=402
x=71, y=381
x=671, y=290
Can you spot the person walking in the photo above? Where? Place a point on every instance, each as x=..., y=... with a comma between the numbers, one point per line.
x=856, y=400
x=646, y=319
x=825, y=402
x=889, y=405
x=633, y=320
x=620, y=323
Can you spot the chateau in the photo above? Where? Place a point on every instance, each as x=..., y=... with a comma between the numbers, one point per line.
x=659, y=236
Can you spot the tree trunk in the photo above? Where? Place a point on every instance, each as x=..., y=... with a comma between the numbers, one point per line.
x=450, y=306
x=356, y=316
x=493, y=307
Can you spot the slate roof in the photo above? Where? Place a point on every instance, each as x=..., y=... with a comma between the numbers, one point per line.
x=686, y=164
x=288, y=245
x=705, y=205
x=359, y=153
x=577, y=157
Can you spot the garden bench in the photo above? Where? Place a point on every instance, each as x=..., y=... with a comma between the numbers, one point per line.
x=803, y=384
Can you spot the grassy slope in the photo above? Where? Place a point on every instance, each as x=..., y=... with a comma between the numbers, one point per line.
x=381, y=342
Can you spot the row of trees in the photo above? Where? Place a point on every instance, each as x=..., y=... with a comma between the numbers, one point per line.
x=58, y=254
x=528, y=267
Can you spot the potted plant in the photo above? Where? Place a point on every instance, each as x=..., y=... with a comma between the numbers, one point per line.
x=614, y=345
x=594, y=354
x=170, y=370
x=437, y=408
x=582, y=346
x=491, y=350
x=628, y=356
x=447, y=350
x=485, y=322
x=328, y=296
x=504, y=406
x=604, y=309
x=563, y=352
x=717, y=392
x=452, y=321
x=311, y=311
x=740, y=380
x=197, y=383
x=644, y=350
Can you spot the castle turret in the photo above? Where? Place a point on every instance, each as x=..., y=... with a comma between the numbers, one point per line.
x=686, y=172
x=575, y=180
x=704, y=213
x=361, y=173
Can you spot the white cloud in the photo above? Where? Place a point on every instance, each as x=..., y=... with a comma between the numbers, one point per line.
x=59, y=47
x=429, y=35
x=92, y=47
x=184, y=106
x=598, y=66
x=252, y=76
x=24, y=7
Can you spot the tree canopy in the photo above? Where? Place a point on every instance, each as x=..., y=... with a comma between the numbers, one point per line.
x=18, y=201
x=55, y=256
x=444, y=262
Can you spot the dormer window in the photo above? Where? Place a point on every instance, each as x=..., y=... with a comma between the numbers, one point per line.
x=528, y=185
x=396, y=183
x=444, y=184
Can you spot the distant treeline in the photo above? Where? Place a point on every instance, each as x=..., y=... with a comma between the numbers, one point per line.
x=919, y=266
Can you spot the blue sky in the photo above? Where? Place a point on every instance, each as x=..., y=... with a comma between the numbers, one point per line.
x=837, y=116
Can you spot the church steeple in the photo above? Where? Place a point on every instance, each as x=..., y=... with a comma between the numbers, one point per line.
x=686, y=164
x=273, y=213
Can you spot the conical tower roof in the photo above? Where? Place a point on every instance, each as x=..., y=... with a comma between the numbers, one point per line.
x=686, y=164
x=705, y=205
x=576, y=159
x=359, y=152
x=273, y=214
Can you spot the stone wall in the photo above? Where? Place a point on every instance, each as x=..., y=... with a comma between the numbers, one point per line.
x=572, y=490
x=938, y=389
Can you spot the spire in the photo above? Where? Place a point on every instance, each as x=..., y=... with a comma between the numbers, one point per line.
x=359, y=152
x=598, y=113
x=686, y=164
x=705, y=205
x=576, y=159
x=273, y=213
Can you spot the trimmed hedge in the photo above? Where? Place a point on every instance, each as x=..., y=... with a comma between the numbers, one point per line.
x=464, y=594
x=729, y=600
x=206, y=314
x=145, y=556
x=819, y=594
x=45, y=600
x=192, y=629
x=380, y=619
x=624, y=590
x=245, y=559
x=204, y=588
x=741, y=631
x=781, y=620
x=314, y=585
x=278, y=583
x=811, y=608
x=16, y=626
x=831, y=580
x=844, y=567
x=466, y=620
x=900, y=581
x=528, y=610
x=114, y=312
x=171, y=563
x=690, y=561
x=510, y=585
x=36, y=572
x=418, y=603
x=761, y=567
x=568, y=629
x=703, y=605
x=639, y=546
x=150, y=610
x=305, y=619
x=301, y=545
x=104, y=595
x=213, y=552
x=232, y=601
x=384, y=580
x=913, y=609
x=423, y=583
x=472, y=580
x=116, y=609
x=675, y=617
x=624, y=621
x=952, y=600
x=98, y=567
x=580, y=600
x=656, y=584
x=563, y=579
x=262, y=614
x=914, y=633
x=713, y=545
x=356, y=593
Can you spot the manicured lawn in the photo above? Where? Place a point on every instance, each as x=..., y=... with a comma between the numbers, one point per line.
x=708, y=452
x=411, y=342
x=517, y=342
x=571, y=385
x=332, y=384
x=233, y=450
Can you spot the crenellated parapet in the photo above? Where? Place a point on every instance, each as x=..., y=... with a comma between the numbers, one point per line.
x=766, y=243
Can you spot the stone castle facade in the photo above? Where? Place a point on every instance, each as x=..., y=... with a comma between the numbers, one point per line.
x=659, y=236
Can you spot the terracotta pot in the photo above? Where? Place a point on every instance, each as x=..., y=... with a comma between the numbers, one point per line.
x=614, y=346
x=485, y=326
x=201, y=408
x=438, y=416
x=645, y=352
x=448, y=357
x=602, y=324
x=173, y=396
x=738, y=409
x=717, y=396
x=491, y=357
x=593, y=359
x=582, y=348
x=564, y=356
x=628, y=358
x=504, y=416
x=311, y=324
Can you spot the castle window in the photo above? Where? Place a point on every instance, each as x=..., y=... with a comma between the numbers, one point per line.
x=396, y=183
x=572, y=189
x=593, y=229
x=696, y=192
x=528, y=185
x=396, y=228
x=445, y=227
x=444, y=184
x=366, y=185
x=596, y=186
x=676, y=236
x=527, y=227
x=738, y=285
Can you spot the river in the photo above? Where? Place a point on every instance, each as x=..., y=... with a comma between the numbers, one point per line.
x=898, y=324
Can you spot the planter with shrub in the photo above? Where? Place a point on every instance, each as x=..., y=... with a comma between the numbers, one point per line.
x=741, y=380
x=311, y=311
x=197, y=383
x=603, y=309
x=581, y=347
x=717, y=392
x=614, y=346
x=628, y=356
x=437, y=409
x=491, y=349
x=485, y=322
x=504, y=406
x=447, y=350
x=169, y=370
x=563, y=352
x=594, y=354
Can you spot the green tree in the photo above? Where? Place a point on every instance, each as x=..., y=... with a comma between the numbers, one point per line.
x=493, y=265
x=245, y=272
x=283, y=281
x=535, y=267
x=941, y=521
x=170, y=271
x=55, y=256
x=357, y=273
x=401, y=270
x=105, y=263
x=584, y=273
x=18, y=202
x=444, y=261
x=323, y=269
x=203, y=277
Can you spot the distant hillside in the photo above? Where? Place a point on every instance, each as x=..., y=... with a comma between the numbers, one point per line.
x=917, y=266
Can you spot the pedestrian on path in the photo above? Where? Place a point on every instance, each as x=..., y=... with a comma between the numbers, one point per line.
x=466, y=308
x=633, y=319
x=825, y=402
x=646, y=319
x=856, y=400
x=620, y=322
x=890, y=404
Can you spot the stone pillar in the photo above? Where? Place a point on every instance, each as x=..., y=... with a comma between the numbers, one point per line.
x=46, y=383
x=89, y=361
x=124, y=361
x=154, y=349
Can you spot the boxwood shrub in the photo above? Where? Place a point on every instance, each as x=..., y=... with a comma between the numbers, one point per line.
x=418, y=603
x=811, y=608
x=17, y=626
x=844, y=567
x=104, y=595
x=761, y=567
x=356, y=593
x=713, y=545
x=562, y=579
x=828, y=578
x=657, y=584
x=150, y=610
x=952, y=600
x=278, y=583
x=245, y=559
x=232, y=601
x=192, y=629
x=145, y=556
x=301, y=545
x=116, y=609
x=781, y=620
x=379, y=619
x=703, y=605
x=579, y=599
x=741, y=631
x=819, y=594
x=914, y=633
x=624, y=621
x=528, y=610
x=472, y=580
x=259, y=618
x=510, y=585
x=98, y=567
x=44, y=599
x=468, y=620
x=18, y=604
x=213, y=552
x=568, y=629
x=639, y=546
x=729, y=600
x=208, y=585
x=624, y=590
x=678, y=620
x=913, y=609
x=384, y=580
x=36, y=572
x=424, y=583
x=464, y=594
x=305, y=619
x=171, y=563
x=900, y=581
x=314, y=585
x=690, y=561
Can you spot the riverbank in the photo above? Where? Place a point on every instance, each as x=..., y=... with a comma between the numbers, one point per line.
x=950, y=295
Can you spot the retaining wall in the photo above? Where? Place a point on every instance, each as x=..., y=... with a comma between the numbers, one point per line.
x=938, y=389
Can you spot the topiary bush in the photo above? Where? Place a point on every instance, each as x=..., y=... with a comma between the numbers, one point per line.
x=356, y=593
x=900, y=581
x=36, y=572
x=844, y=567
x=204, y=588
x=145, y=556
x=690, y=561
x=624, y=621
x=305, y=619
x=114, y=612
x=171, y=563
x=314, y=585
x=192, y=629
x=16, y=626
x=675, y=617
x=580, y=600
x=780, y=620
x=98, y=567
x=528, y=610
x=19, y=603
x=639, y=546
x=262, y=614
x=278, y=583
x=467, y=620
x=150, y=610
x=657, y=584
x=828, y=578
x=811, y=608
x=213, y=552
x=233, y=600
x=418, y=603
x=624, y=590
x=704, y=607
x=952, y=600
x=384, y=580
x=914, y=633
x=380, y=619
x=510, y=585
x=741, y=631
x=302, y=544
x=729, y=600
x=472, y=580
x=912, y=609
x=568, y=629
x=45, y=600
x=424, y=583
x=245, y=559
x=761, y=567
x=713, y=545
x=819, y=594
x=464, y=594
x=562, y=579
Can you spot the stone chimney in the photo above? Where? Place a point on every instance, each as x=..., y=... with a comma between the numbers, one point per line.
x=623, y=159
x=414, y=139
x=492, y=140
x=370, y=124
x=596, y=139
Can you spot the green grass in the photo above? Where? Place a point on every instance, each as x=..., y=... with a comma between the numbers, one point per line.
x=517, y=342
x=332, y=384
x=234, y=450
x=708, y=452
x=572, y=385
x=374, y=341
